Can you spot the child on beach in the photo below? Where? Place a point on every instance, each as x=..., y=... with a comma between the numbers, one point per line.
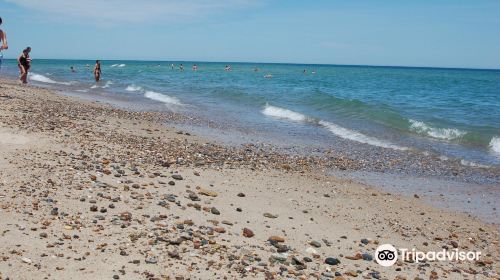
x=3, y=40
x=97, y=70
x=24, y=63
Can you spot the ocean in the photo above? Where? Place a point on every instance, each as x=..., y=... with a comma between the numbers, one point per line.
x=449, y=113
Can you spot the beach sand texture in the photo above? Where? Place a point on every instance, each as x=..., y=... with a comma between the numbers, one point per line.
x=88, y=191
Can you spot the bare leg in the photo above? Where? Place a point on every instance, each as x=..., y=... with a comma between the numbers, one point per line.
x=23, y=73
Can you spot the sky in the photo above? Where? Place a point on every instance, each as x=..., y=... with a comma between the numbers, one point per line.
x=433, y=33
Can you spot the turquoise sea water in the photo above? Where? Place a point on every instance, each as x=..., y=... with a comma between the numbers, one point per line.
x=450, y=112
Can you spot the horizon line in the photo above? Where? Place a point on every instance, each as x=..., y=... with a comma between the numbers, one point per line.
x=285, y=63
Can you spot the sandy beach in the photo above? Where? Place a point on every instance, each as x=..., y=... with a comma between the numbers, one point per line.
x=89, y=191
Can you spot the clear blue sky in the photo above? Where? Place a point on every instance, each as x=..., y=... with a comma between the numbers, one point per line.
x=444, y=33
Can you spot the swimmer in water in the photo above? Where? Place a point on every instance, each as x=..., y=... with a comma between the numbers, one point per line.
x=195, y=67
x=97, y=70
x=181, y=67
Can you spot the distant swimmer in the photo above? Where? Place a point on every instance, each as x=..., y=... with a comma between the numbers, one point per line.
x=195, y=67
x=72, y=69
x=181, y=67
x=172, y=66
x=97, y=70
x=304, y=71
x=24, y=63
x=3, y=40
x=256, y=69
x=227, y=68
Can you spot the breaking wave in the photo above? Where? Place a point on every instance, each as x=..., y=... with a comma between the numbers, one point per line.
x=358, y=137
x=337, y=130
x=283, y=113
x=495, y=144
x=162, y=98
x=43, y=79
x=133, y=87
x=118, y=65
x=434, y=132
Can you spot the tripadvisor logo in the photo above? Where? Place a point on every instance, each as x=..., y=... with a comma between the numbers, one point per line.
x=387, y=255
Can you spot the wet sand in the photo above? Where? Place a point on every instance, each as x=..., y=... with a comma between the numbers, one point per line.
x=92, y=191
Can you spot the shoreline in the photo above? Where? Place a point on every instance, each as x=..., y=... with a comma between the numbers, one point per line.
x=100, y=156
x=328, y=119
x=451, y=188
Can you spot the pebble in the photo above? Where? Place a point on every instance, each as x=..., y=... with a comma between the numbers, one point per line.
x=315, y=243
x=177, y=177
x=275, y=238
x=367, y=257
x=214, y=211
x=151, y=260
x=271, y=216
x=332, y=261
x=248, y=233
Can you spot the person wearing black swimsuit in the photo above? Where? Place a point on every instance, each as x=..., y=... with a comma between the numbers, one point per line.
x=97, y=70
x=24, y=62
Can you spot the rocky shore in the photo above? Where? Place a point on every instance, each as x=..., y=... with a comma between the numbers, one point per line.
x=91, y=191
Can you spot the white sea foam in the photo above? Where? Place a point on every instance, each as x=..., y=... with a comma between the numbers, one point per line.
x=133, y=87
x=333, y=128
x=162, y=98
x=107, y=84
x=44, y=79
x=358, y=137
x=434, y=132
x=283, y=113
x=495, y=144
x=472, y=164
x=443, y=158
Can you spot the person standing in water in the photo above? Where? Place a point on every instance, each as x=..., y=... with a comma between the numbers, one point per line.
x=181, y=67
x=97, y=70
x=24, y=63
x=4, y=45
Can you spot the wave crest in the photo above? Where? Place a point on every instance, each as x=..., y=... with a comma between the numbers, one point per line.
x=358, y=136
x=44, y=79
x=283, y=113
x=162, y=98
x=333, y=128
x=495, y=144
x=133, y=87
x=434, y=132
